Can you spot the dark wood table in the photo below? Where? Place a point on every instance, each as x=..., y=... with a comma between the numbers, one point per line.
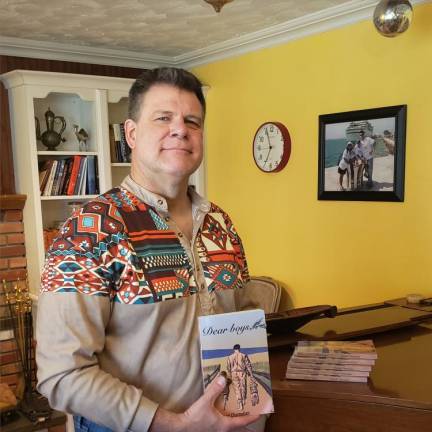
x=397, y=397
x=23, y=424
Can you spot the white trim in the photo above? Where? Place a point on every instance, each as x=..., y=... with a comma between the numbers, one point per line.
x=318, y=22
x=338, y=16
x=81, y=54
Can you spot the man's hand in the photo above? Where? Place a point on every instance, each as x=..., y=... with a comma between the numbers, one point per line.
x=201, y=415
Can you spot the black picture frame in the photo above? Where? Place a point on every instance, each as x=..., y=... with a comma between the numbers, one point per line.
x=386, y=129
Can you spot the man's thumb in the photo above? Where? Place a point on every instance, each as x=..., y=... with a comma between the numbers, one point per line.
x=215, y=388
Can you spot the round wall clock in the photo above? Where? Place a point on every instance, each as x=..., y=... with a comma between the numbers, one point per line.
x=271, y=147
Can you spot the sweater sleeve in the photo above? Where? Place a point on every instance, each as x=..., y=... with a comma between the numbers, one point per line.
x=83, y=267
x=238, y=247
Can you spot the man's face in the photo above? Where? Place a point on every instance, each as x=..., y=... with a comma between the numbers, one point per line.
x=167, y=138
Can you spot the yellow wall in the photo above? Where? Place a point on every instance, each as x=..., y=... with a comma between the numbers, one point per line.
x=332, y=252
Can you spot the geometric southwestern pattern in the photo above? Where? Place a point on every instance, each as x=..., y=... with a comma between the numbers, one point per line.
x=120, y=247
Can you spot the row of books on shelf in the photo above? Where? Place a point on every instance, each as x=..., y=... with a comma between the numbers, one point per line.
x=120, y=151
x=77, y=175
x=349, y=361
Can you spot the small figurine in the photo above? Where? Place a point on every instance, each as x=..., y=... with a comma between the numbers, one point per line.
x=82, y=137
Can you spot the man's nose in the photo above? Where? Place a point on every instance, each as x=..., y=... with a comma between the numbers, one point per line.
x=178, y=128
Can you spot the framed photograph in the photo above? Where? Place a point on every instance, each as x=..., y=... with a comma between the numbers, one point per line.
x=362, y=155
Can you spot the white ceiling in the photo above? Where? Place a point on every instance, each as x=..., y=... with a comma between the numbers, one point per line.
x=160, y=31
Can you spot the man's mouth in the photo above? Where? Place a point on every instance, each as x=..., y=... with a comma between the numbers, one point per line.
x=176, y=149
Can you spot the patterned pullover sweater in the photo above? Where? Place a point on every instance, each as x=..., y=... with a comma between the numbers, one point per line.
x=117, y=315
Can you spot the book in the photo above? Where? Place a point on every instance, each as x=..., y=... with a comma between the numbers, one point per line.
x=44, y=173
x=349, y=361
x=67, y=176
x=82, y=178
x=336, y=349
x=113, y=151
x=57, y=177
x=319, y=371
x=91, y=175
x=235, y=344
x=324, y=365
x=74, y=174
x=49, y=183
x=64, y=174
x=319, y=377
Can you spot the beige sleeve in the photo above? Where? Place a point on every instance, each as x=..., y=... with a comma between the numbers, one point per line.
x=70, y=334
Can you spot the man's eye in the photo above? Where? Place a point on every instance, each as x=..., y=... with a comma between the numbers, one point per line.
x=163, y=118
x=194, y=124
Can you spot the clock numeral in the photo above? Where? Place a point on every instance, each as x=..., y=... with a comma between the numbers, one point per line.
x=260, y=157
x=271, y=128
x=261, y=138
x=259, y=147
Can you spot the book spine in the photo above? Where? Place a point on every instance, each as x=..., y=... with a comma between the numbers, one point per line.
x=57, y=178
x=79, y=176
x=327, y=372
x=329, y=366
x=83, y=182
x=117, y=140
x=74, y=175
x=112, y=144
x=68, y=173
x=48, y=187
x=325, y=378
x=123, y=144
x=91, y=175
x=46, y=169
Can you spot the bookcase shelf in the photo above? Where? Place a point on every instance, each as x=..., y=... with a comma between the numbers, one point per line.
x=66, y=153
x=86, y=101
x=67, y=197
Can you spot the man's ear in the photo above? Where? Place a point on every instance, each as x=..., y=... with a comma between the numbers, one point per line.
x=130, y=132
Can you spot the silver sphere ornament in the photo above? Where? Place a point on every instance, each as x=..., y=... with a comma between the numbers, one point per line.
x=392, y=17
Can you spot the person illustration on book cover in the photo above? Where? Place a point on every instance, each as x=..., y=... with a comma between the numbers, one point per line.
x=239, y=369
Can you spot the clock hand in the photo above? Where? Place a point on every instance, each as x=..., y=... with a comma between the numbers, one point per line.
x=270, y=146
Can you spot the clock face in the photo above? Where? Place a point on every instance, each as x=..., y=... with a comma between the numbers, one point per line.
x=271, y=147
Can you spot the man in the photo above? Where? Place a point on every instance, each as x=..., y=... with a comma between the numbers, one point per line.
x=239, y=369
x=366, y=147
x=389, y=141
x=130, y=273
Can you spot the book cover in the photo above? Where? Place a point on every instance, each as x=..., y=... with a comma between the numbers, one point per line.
x=336, y=349
x=236, y=344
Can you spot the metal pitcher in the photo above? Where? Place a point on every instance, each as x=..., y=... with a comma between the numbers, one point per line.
x=51, y=138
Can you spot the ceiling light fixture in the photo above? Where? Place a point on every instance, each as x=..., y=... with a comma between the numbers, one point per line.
x=218, y=4
x=392, y=17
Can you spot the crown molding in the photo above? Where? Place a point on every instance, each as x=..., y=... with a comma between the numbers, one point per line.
x=81, y=54
x=318, y=22
x=335, y=17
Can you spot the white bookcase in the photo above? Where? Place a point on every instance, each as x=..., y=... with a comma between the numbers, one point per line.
x=91, y=102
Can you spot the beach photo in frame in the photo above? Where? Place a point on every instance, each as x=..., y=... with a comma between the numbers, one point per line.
x=361, y=155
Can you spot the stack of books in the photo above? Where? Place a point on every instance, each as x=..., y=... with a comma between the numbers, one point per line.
x=350, y=361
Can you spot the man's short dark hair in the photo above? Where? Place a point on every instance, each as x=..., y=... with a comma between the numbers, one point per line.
x=175, y=77
x=236, y=347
